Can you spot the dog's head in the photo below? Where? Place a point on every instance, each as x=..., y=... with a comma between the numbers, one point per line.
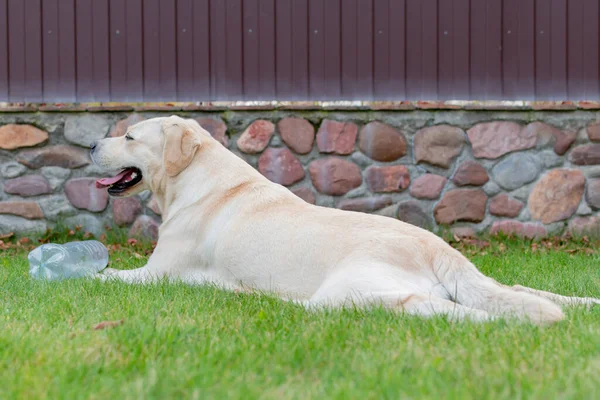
x=149, y=151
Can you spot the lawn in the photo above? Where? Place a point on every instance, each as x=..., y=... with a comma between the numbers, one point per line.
x=175, y=341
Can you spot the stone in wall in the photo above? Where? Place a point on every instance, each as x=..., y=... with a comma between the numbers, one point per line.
x=593, y=131
x=83, y=194
x=298, y=134
x=529, y=230
x=394, y=178
x=126, y=210
x=145, y=227
x=84, y=129
x=470, y=173
x=27, y=186
x=557, y=195
x=256, y=137
x=461, y=205
x=428, y=186
x=334, y=176
x=14, y=136
x=439, y=145
x=584, y=226
x=216, y=128
x=336, y=137
x=55, y=156
x=382, y=142
x=515, y=171
x=21, y=226
x=547, y=134
x=502, y=205
x=88, y=223
x=25, y=209
x=592, y=194
x=279, y=165
x=494, y=139
x=305, y=194
x=12, y=169
x=412, y=213
x=56, y=176
x=121, y=127
x=365, y=204
x=587, y=154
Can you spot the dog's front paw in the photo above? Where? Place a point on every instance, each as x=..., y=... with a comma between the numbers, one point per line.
x=106, y=274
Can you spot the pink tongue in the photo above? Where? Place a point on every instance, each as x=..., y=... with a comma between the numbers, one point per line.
x=104, y=182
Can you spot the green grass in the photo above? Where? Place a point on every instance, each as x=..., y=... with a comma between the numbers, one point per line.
x=192, y=342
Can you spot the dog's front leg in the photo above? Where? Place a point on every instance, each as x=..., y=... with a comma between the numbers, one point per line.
x=139, y=275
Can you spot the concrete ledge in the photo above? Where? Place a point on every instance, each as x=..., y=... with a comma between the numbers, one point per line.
x=304, y=105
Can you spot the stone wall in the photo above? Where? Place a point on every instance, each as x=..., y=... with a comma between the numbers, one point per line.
x=526, y=172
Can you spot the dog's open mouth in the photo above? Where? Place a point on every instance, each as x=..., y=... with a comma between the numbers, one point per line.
x=121, y=182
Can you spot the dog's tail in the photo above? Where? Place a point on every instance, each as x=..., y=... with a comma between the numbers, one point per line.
x=469, y=287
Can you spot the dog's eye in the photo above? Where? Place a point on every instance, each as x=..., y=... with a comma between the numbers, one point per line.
x=127, y=137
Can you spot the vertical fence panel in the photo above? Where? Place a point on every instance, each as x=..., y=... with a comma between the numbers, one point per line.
x=168, y=49
x=591, y=44
x=234, y=49
x=397, y=79
x=526, y=50
x=51, y=46
x=543, y=61
x=300, y=49
x=414, y=47
x=185, y=49
x=332, y=48
x=101, y=49
x=201, y=51
x=316, y=43
x=381, y=47
x=430, y=49
x=461, y=49
x=284, y=54
x=478, y=49
x=350, y=27
x=266, y=50
x=58, y=48
x=575, y=56
x=510, y=48
x=558, y=57
x=493, y=50
x=33, y=51
x=446, y=38
x=364, y=44
x=126, y=58
x=218, y=56
x=118, y=49
x=16, y=50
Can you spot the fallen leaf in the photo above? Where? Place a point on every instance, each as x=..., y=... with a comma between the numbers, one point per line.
x=138, y=256
x=24, y=240
x=87, y=235
x=108, y=324
x=131, y=242
x=7, y=235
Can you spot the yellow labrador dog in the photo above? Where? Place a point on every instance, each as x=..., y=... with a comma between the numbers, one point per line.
x=226, y=224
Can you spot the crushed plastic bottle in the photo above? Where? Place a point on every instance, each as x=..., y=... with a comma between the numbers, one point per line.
x=71, y=260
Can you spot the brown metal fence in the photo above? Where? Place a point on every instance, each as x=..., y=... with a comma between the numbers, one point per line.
x=201, y=50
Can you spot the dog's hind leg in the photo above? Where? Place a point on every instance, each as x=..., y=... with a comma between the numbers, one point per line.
x=430, y=306
x=557, y=298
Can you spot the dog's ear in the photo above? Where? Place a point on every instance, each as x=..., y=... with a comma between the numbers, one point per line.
x=181, y=144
